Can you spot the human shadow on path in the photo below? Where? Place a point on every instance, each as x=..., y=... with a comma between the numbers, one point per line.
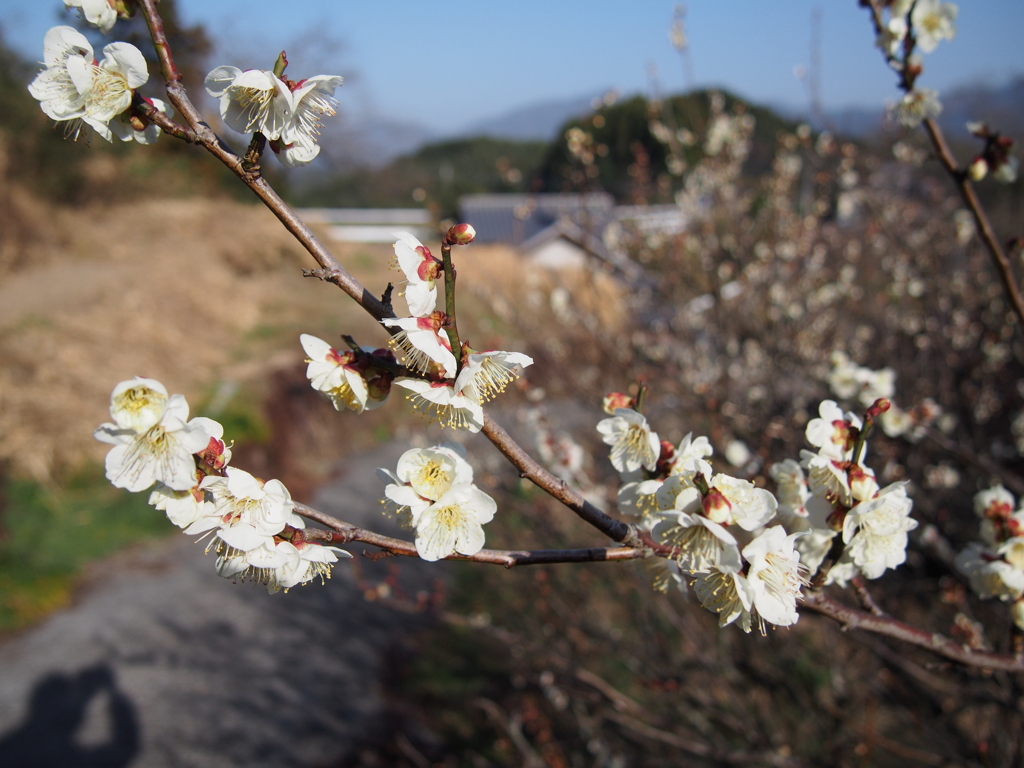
x=57, y=710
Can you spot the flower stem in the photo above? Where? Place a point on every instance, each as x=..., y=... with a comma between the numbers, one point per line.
x=451, y=328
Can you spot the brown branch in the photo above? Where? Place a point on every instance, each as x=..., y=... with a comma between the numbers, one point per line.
x=164, y=122
x=988, y=235
x=345, y=533
x=205, y=136
x=529, y=468
x=867, y=602
x=851, y=618
x=958, y=175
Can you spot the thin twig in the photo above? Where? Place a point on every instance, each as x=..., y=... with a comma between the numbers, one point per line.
x=345, y=533
x=532, y=470
x=851, y=618
x=958, y=175
x=988, y=235
x=866, y=600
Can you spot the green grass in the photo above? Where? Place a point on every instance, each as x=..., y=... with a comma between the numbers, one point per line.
x=48, y=534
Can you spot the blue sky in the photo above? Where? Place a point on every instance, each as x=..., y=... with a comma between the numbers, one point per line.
x=449, y=63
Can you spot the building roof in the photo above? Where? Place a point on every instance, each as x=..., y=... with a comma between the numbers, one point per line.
x=514, y=219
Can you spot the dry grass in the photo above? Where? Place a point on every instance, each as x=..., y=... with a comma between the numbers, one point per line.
x=189, y=292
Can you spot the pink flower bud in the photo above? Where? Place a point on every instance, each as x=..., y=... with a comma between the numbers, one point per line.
x=716, y=507
x=880, y=406
x=460, y=234
x=615, y=400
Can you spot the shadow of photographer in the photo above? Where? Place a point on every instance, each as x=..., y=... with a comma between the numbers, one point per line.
x=50, y=737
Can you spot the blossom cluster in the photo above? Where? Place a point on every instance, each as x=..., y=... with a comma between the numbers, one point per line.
x=715, y=524
x=847, y=380
x=995, y=565
x=449, y=385
x=255, y=531
x=923, y=24
x=832, y=493
x=747, y=551
x=432, y=491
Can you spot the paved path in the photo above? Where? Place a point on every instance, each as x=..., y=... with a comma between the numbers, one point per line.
x=161, y=663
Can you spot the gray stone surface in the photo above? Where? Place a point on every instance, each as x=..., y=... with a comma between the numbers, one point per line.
x=161, y=663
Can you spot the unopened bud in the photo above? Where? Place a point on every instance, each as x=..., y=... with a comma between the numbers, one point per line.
x=137, y=123
x=880, y=406
x=863, y=485
x=281, y=64
x=716, y=507
x=836, y=519
x=460, y=234
x=615, y=400
x=978, y=169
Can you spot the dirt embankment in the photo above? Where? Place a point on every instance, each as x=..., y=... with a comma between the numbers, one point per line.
x=166, y=289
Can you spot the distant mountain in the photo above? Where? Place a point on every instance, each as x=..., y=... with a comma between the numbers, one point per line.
x=538, y=121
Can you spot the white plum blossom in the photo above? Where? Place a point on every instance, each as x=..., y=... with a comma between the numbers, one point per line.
x=453, y=523
x=690, y=448
x=633, y=443
x=304, y=561
x=832, y=433
x=421, y=270
x=994, y=501
x=433, y=471
x=896, y=422
x=990, y=576
x=876, y=384
x=107, y=86
x=825, y=477
x=162, y=453
x=58, y=95
x=440, y=401
x=421, y=344
x=775, y=575
x=308, y=101
x=280, y=565
x=727, y=594
x=792, y=492
x=99, y=13
x=875, y=531
x=891, y=38
x=844, y=380
x=181, y=507
x=932, y=21
x=246, y=511
x=863, y=485
x=485, y=375
x=252, y=101
x=918, y=105
x=337, y=375
x=138, y=403
x=701, y=544
x=290, y=114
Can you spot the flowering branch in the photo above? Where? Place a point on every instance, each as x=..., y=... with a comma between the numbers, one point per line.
x=716, y=526
x=908, y=71
x=988, y=235
x=345, y=533
x=851, y=618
